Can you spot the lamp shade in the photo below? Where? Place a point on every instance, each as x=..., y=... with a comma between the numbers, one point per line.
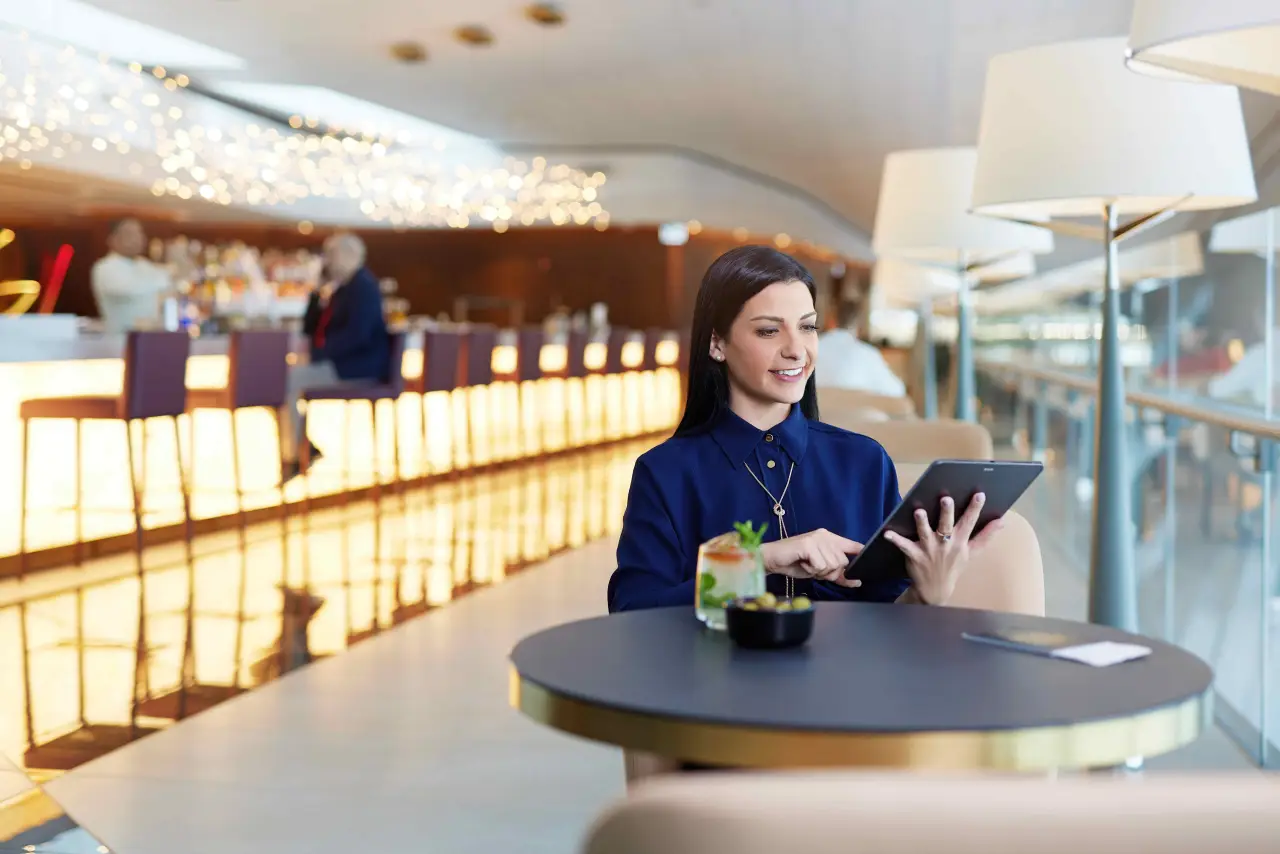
x=1227, y=41
x=902, y=284
x=1067, y=128
x=1251, y=234
x=922, y=214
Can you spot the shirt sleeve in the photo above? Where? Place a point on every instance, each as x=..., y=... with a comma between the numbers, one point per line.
x=650, y=560
x=876, y=591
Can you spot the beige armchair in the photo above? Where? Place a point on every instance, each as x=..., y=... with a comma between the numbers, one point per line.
x=922, y=441
x=843, y=402
x=857, y=813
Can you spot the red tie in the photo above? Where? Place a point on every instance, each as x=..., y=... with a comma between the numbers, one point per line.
x=323, y=323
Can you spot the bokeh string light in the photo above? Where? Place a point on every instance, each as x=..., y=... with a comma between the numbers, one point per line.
x=60, y=104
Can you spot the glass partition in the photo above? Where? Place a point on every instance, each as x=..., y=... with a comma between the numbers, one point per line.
x=1199, y=351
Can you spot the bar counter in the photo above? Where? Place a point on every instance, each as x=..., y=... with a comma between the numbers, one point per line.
x=520, y=415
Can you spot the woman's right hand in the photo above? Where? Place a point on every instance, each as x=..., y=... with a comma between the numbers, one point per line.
x=820, y=555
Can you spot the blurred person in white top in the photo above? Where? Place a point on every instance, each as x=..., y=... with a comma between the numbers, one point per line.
x=845, y=361
x=127, y=286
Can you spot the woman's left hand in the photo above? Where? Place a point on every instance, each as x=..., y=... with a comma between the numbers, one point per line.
x=936, y=561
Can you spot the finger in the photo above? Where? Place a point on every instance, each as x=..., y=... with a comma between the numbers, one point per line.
x=908, y=548
x=836, y=559
x=969, y=520
x=836, y=576
x=947, y=516
x=923, y=532
x=845, y=545
x=988, y=534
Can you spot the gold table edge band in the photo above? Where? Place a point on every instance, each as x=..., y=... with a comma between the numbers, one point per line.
x=1090, y=744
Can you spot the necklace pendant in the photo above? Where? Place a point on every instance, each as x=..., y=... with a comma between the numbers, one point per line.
x=778, y=511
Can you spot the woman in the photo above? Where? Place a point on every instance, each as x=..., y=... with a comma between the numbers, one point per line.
x=750, y=447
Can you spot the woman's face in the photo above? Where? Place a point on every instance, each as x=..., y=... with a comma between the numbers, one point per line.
x=771, y=347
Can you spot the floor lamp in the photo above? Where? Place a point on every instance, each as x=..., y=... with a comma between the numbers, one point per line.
x=899, y=283
x=1068, y=131
x=922, y=216
x=1226, y=41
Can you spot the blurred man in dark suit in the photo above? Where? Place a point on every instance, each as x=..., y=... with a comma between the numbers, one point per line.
x=349, y=340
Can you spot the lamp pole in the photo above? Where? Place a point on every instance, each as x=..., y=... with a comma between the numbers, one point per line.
x=930, y=362
x=965, y=385
x=1112, y=582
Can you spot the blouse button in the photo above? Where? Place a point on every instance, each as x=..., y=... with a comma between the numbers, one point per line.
x=771, y=464
x=768, y=437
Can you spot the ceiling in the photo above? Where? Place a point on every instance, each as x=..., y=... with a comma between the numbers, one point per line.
x=800, y=98
x=812, y=93
x=47, y=193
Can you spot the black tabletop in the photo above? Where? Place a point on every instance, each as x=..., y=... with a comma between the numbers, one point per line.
x=868, y=668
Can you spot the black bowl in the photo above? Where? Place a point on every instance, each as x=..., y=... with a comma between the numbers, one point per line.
x=764, y=629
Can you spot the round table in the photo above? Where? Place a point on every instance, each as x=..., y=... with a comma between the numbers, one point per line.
x=877, y=685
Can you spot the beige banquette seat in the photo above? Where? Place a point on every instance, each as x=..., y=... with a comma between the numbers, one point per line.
x=865, y=813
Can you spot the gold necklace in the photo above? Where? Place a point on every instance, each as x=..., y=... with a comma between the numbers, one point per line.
x=779, y=512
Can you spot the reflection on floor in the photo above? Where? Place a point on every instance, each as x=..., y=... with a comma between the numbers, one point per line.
x=34, y=823
x=91, y=660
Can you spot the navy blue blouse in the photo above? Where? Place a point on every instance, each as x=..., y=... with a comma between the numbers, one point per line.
x=695, y=487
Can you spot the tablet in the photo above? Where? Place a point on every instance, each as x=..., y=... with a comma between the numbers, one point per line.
x=1003, y=481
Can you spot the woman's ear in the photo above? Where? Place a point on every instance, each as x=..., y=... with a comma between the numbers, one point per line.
x=717, y=348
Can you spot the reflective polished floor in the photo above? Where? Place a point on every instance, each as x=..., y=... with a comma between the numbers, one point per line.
x=404, y=742
x=95, y=658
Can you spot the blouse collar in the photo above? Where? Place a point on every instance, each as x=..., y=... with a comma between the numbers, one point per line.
x=738, y=439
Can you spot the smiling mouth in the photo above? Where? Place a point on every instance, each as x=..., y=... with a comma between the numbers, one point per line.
x=789, y=373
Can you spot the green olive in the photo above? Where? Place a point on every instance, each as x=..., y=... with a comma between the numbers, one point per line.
x=751, y=606
x=784, y=606
x=801, y=603
x=768, y=600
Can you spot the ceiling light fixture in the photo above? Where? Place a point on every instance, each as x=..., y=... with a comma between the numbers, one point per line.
x=545, y=14
x=410, y=53
x=474, y=35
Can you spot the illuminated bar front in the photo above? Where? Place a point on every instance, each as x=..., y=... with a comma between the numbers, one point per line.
x=571, y=393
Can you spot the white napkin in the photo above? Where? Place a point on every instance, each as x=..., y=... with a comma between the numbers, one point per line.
x=1103, y=653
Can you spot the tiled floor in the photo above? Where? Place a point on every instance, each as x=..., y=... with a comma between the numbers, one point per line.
x=405, y=741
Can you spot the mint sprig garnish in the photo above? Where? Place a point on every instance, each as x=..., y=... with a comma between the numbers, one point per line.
x=748, y=536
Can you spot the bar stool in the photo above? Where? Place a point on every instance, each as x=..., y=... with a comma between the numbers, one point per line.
x=441, y=351
x=615, y=399
x=477, y=370
x=155, y=386
x=258, y=376
x=575, y=372
x=390, y=389
x=529, y=341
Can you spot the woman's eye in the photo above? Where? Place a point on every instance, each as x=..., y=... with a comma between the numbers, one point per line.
x=810, y=327
x=767, y=332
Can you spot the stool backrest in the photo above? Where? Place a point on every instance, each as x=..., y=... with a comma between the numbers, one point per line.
x=395, y=362
x=479, y=366
x=259, y=373
x=529, y=341
x=577, y=362
x=652, y=338
x=617, y=338
x=440, y=351
x=155, y=374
